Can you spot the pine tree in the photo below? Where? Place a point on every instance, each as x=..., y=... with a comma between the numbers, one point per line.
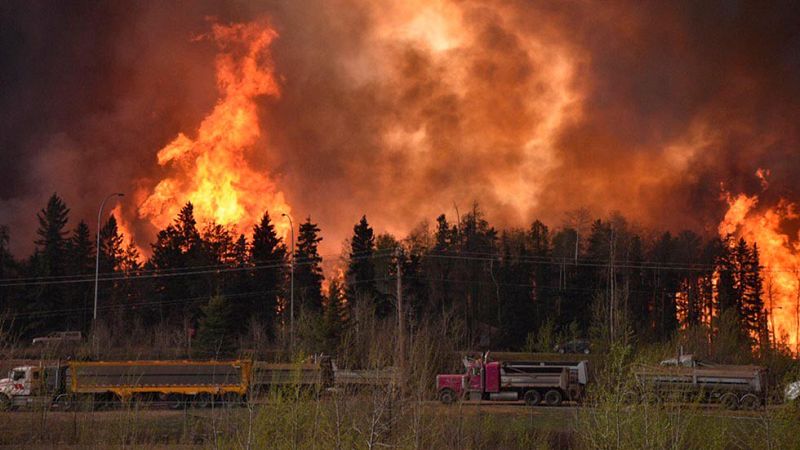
x=541, y=277
x=664, y=286
x=516, y=309
x=52, y=242
x=240, y=281
x=81, y=250
x=753, y=302
x=477, y=280
x=438, y=266
x=50, y=259
x=179, y=247
x=111, y=248
x=361, y=269
x=80, y=254
x=308, y=270
x=217, y=244
x=334, y=318
x=215, y=337
x=268, y=253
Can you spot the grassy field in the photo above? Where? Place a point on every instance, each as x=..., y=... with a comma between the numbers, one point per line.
x=370, y=421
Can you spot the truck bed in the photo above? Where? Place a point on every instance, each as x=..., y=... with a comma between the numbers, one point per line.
x=88, y=377
x=735, y=378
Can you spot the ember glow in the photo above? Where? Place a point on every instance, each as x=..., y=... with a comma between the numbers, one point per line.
x=212, y=169
x=780, y=257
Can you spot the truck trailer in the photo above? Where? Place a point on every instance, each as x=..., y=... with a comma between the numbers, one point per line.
x=536, y=382
x=74, y=384
x=688, y=379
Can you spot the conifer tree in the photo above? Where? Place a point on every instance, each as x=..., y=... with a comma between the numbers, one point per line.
x=516, y=309
x=240, y=281
x=80, y=254
x=52, y=242
x=81, y=250
x=50, y=259
x=217, y=244
x=308, y=269
x=335, y=316
x=438, y=266
x=361, y=269
x=542, y=273
x=268, y=254
x=753, y=301
x=215, y=337
x=112, y=251
x=179, y=247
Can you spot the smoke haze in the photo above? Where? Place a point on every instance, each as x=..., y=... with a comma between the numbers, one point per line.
x=399, y=110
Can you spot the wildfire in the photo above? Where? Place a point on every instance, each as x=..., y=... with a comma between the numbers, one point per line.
x=780, y=257
x=212, y=170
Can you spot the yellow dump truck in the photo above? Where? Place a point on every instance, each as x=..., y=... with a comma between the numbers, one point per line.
x=89, y=384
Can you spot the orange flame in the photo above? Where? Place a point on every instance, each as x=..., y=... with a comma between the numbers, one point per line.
x=780, y=257
x=212, y=170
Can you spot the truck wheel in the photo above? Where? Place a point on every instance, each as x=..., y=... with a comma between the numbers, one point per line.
x=175, y=401
x=553, y=397
x=232, y=399
x=749, y=402
x=574, y=394
x=64, y=403
x=729, y=401
x=447, y=396
x=533, y=397
x=201, y=401
x=5, y=403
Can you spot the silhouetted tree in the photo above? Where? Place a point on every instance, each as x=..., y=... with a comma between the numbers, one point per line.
x=268, y=255
x=360, y=277
x=308, y=268
x=215, y=337
x=49, y=260
x=178, y=248
x=80, y=256
x=334, y=318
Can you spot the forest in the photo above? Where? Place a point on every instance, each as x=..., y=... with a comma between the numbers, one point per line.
x=215, y=292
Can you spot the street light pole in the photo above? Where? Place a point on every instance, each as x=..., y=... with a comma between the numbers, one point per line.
x=291, y=287
x=97, y=251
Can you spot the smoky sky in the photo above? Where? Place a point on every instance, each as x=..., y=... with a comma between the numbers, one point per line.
x=404, y=110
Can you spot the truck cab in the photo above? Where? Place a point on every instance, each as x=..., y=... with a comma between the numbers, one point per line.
x=21, y=382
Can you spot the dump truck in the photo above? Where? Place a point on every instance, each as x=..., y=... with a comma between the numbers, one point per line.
x=316, y=375
x=536, y=382
x=354, y=379
x=688, y=379
x=87, y=384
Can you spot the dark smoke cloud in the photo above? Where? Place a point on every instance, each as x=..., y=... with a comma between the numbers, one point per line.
x=670, y=99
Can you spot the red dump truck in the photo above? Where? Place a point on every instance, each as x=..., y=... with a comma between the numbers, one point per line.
x=535, y=382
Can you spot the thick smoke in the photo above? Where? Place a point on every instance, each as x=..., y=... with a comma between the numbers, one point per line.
x=401, y=110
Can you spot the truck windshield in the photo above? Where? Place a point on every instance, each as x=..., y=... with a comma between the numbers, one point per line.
x=18, y=375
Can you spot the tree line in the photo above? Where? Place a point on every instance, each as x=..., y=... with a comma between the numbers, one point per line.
x=517, y=289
